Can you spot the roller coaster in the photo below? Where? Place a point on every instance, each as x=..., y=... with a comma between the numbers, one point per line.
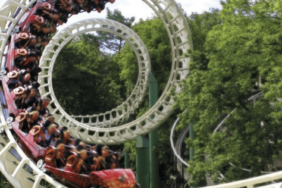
x=102, y=128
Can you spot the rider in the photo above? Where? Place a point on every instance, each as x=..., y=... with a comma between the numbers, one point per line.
x=65, y=137
x=44, y=136
x=76, y=164
x=55, y=157
x=27, y=120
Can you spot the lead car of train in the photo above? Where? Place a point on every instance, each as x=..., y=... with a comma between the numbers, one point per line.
x=70, y=161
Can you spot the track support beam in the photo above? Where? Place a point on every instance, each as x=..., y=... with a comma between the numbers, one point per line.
x=126, y=159
x=142, y=162
x=153, y=136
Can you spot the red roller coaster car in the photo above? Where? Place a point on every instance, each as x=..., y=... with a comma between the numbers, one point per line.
x=114, y=178
x=30, y=17
x=10, y=98
x=13, y=52
x=28, y=145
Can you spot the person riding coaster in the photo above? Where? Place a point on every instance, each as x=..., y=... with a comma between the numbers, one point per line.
x=37, y=22
x=27, y=120
x=55, y=157
x=41, y=107
x=85, y=160
x=44, y=7
x=64, y=5
x=24, y=39
x=76, y=164
x=44, y=137
x=64, y=137
x=105, y=159
x=18, y=78
x=25, y=61
x=26, y=98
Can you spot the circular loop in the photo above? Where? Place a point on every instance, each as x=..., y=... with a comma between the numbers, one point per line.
x=168, y=11
x=104, y=132
x=181, y=41
x=56, y=45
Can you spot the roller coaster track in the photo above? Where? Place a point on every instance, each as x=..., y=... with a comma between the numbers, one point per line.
x=101, y=128
x=179, y=143
x=181, y=163
x=271, y=178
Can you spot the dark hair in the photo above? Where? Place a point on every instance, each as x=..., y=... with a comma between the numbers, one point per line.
x=35, y=85
x=99, y=149
x=76, y=9
x=36, y=70
x=77, y=141
x=108, y=162
x=63, y=129
x=58, y=142
x=79, y=148
x=38, y=52
x=57, y=125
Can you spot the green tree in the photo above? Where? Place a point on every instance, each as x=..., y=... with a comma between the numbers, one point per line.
x=86, y=81
x=245, y=45
x=110, y=42
x=4, y=182
x=154, y=36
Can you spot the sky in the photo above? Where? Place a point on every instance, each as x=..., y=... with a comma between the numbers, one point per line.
x=139, y=9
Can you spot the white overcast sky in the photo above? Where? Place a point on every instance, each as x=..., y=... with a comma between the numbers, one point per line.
x=139, y=9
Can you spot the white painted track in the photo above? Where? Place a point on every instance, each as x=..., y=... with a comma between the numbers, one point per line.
x=273, y=179
x=179, y=34
x=14, y=167
x=62, y=38
x=13, y=164
x=101, y=128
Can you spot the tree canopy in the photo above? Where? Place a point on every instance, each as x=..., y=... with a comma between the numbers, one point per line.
x=242, y=47
x=86, y=81
x=237, y=54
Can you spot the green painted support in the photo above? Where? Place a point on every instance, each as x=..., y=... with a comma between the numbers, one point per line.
x=126, y=159
x=192, y=136
x=142, y=162
x=126, y=153
x=147, y=166
x=153, y=136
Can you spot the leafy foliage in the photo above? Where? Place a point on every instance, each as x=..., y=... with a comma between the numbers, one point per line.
x=233, y=49
x=4, y=182
x=108, y=78
x=155, y=37
x=244, y=45
x=86, y=81
x=109, y=42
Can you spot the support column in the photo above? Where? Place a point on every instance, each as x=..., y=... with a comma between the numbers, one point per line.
x=153, y=136
x=126, y=153
x=126, y=159
x=191, y=150
x=142, y=162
